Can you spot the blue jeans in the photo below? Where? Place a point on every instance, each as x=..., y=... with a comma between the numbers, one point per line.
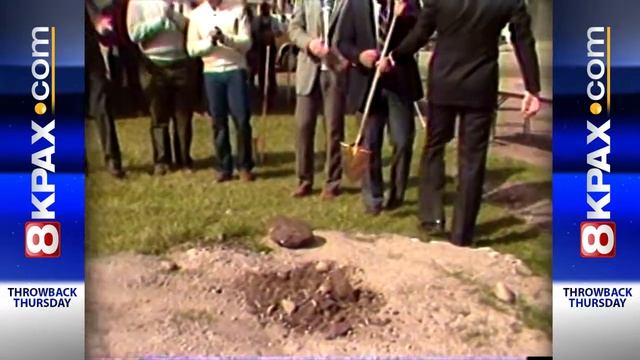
x=228, y=94
x=396, y=113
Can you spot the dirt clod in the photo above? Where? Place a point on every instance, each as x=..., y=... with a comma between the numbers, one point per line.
x=308, y=300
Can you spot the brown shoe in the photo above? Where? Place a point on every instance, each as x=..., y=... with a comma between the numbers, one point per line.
x=246, y=176
x=330, y=193
x=303, y=190
x=223, y=177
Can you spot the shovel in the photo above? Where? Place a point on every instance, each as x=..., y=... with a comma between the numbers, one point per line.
x=355, y=156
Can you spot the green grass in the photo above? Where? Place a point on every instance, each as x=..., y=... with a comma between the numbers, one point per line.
x=152, y=214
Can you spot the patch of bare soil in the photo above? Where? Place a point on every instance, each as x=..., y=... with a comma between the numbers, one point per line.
x=385, y=295
x=312, y=297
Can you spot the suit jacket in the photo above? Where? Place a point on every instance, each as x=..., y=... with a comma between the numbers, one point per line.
x=358, y=33
x=464, y=67
x=305, y=26
x=94, y=60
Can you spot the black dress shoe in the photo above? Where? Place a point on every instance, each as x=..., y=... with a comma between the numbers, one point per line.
x=115, y=170
x=393, y=204
x=373, y=211
x=160, y=169
x=435, y=227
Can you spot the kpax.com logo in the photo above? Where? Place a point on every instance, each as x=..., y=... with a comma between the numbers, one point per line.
x=42, y=232
x=598, y=232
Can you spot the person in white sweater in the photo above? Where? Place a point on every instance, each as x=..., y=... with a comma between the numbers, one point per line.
x=220, y=34
x=168, y=77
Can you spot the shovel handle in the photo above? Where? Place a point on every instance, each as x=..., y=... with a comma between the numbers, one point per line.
x=374, y=83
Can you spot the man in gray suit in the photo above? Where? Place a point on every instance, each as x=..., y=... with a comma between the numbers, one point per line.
x=320, y=85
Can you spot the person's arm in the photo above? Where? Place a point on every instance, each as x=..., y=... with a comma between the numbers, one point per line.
x=525, y=47
x=179, y=20
x=277, y=26
x=141, y=28
x=196, y=44
x=298, y=27
x=347, y=40
x=241, y=40
x=420, y=34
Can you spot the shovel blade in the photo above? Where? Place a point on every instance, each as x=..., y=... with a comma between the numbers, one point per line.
x=355, y=161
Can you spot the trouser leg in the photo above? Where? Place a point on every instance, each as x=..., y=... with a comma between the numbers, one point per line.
x=333, y=98
x=440, y=130
x=240, y=109
x=216, y=88
x=306, y=115
x=102, y=112
x=401, y=135
x=474, y=133
x=157, y=92
x=185, y=97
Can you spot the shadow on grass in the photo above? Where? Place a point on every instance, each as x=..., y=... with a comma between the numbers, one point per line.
x=485, y=232
x=520, y=195
x=538, y=141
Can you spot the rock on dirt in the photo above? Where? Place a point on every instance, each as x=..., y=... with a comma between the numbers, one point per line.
x=504, y=293
x=290, y=233
x=169, y=266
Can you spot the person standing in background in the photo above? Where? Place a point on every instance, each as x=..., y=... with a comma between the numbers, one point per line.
x=100, y=105
x=463, y=82
x=167, y=76
x=320, y=86
x=362, y=37
x=266, y=28
x=221, y=35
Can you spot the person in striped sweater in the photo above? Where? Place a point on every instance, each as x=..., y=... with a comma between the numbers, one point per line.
x=221, y=35
x=167, y=76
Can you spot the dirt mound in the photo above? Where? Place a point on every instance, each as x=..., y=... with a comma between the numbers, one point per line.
x=312, y=297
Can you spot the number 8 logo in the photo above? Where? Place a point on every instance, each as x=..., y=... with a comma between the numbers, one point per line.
x=595, y=231
x=40, y=231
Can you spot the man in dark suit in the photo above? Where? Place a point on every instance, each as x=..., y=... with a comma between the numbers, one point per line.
x=463, y=82
x=362, y=36
x=97, y=85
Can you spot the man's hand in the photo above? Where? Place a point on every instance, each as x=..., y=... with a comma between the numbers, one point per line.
x=385, y=64
x=399, y=7
x=530, y=105
x=318, y=48
x=169, y=11
x=103, y=24
x=369, y=57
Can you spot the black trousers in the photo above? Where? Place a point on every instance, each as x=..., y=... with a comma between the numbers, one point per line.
x=327, y=97
x=101, y=110
x=170, y=92
x=473, y=142
x=396, y=112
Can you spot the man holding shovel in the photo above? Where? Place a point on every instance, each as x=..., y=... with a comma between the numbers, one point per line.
x=363, y=34
x=463, y=82
x=320, y=86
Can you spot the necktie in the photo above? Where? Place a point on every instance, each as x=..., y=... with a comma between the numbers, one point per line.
x=383, y=21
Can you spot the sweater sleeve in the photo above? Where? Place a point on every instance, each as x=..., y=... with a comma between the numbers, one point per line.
x=197, y=45
x=240, y=39
x=141, y=28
